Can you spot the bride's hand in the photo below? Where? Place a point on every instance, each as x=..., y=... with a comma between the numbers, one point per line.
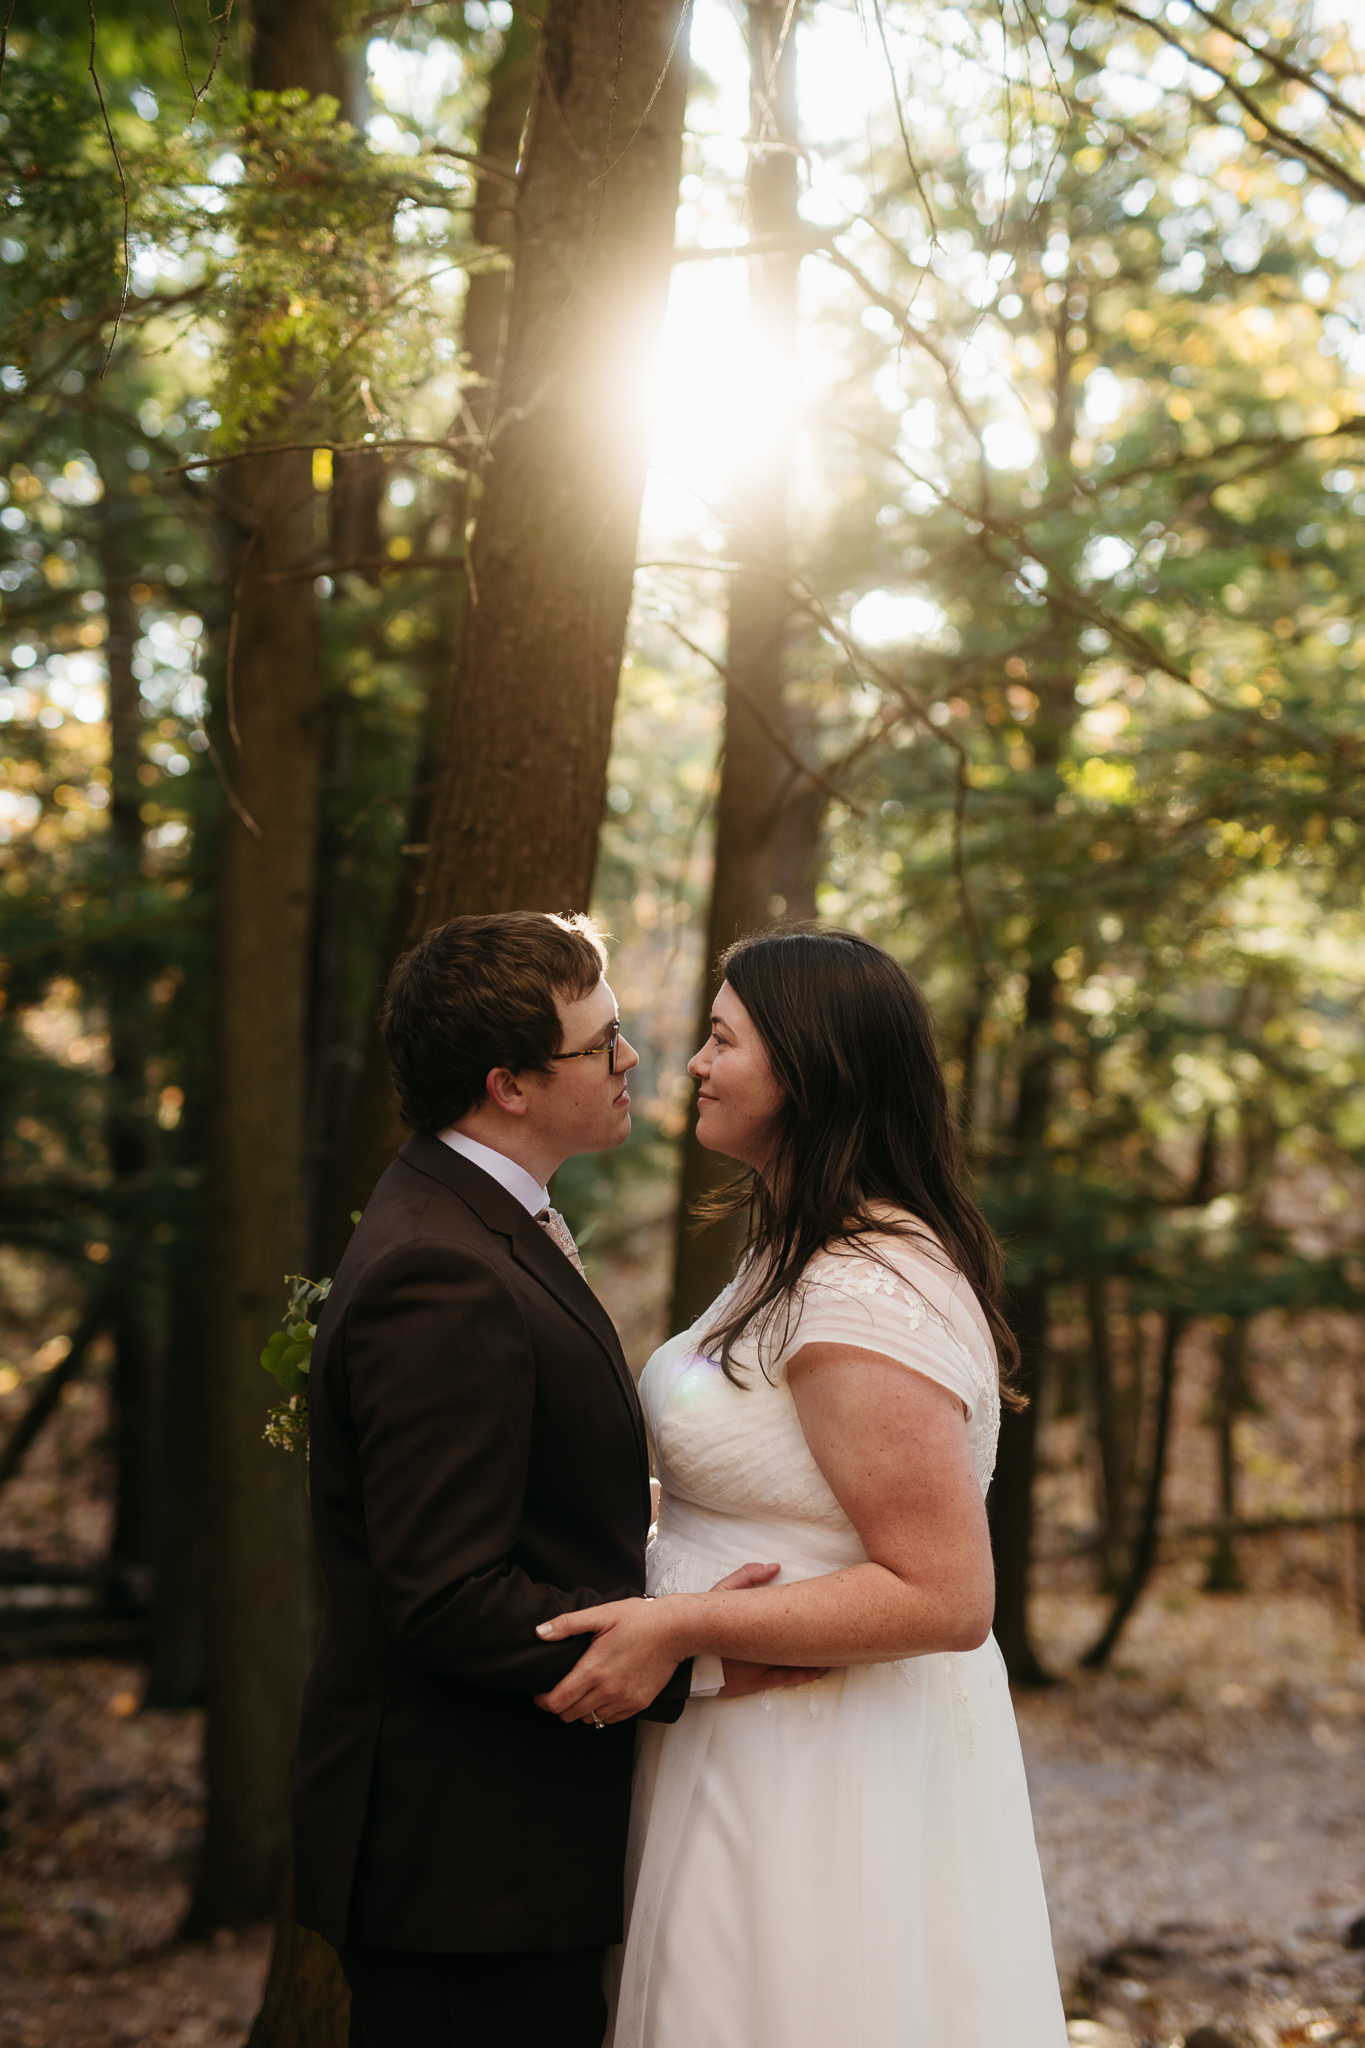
x=630, y=1662
x=628, y=1665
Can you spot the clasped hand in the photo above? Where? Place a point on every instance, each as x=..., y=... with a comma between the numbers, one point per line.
x=635, y=1653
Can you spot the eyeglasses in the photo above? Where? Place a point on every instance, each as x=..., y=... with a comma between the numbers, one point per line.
x=608, y=1046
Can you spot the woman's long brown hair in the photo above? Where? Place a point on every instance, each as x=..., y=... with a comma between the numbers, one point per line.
x=865, y=1120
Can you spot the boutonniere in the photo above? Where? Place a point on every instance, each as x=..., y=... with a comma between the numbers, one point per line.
x=288, y=1357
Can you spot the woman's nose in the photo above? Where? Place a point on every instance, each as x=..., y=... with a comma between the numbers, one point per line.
x=699, y=1066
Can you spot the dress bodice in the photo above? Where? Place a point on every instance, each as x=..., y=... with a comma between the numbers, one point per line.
x=738, y=1451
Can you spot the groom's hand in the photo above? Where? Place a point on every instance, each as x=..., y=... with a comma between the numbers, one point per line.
x=745, y=1576
x=743, y=1678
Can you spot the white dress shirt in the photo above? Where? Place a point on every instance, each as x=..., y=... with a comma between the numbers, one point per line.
x=708, y=1674
x=499, y=1167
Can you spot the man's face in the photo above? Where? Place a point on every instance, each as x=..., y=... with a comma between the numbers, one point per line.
x=579, y=1106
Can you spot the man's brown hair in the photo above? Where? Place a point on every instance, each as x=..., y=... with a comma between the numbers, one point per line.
x=479, y=993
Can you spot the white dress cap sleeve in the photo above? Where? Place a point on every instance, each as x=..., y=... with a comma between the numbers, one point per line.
x=909, y=1304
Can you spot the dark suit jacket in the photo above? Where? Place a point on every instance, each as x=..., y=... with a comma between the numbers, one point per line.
x=478, y=1465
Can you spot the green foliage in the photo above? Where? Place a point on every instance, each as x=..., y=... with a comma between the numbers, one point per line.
x=307, y=295
x=62, y=246
x=288, y=1358
x=1119, y=827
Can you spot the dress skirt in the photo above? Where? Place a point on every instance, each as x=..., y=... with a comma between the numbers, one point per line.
x=846, y=1864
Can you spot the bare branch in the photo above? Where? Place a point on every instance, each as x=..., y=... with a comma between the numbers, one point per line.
x=447, y=447
x=123, y=186
x=770, y=731
x=197, y=92
x=1282, y=65
x=4, y=36
x=385, y=564
x=1307, y=153
x=484, y=165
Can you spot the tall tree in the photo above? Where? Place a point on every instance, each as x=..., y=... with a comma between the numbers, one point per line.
x=262, y=1604
x=128, y=1004
x=556, y=504
x=375, y=1130
x=752, y=849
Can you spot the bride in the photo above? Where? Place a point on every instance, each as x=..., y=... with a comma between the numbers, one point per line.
x=848, y=1863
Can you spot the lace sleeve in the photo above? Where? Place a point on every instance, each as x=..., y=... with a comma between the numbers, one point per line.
x=851, y=1298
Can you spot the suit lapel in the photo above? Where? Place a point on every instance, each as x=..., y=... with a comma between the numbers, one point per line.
x=534, y=1252
x=532, y=1249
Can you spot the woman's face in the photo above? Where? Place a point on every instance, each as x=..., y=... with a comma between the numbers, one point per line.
x=738, y=1098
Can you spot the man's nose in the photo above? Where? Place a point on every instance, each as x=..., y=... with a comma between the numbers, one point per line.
x=626, y=1055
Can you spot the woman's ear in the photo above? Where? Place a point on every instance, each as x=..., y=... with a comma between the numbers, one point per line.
x=505, y=1092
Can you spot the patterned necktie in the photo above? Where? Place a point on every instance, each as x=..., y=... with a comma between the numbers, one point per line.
x=558, y=1231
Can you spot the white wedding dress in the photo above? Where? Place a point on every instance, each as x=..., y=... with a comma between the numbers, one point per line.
x=850, y=1863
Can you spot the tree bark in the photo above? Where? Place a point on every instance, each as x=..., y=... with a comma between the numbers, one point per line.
x=493, y=221
x=374, y=1130
x=1229, y=1398
x=758, y=826
x=1027, y=1170
x=128, y=1005
x=558, y=503
x=307, y=2002
x=1113, y=1432
x=261, y=1606
x=261, y=1594
x=1145, y=1546
x=1010, y=1502
x=294, y=47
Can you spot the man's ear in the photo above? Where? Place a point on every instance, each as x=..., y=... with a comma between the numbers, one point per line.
x=505, y=1092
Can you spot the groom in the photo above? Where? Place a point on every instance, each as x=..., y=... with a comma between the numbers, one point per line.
x=479, y=1465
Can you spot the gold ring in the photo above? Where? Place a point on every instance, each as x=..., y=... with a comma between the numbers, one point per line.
x=595, y=1722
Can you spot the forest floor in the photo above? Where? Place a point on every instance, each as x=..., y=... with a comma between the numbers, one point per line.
x=1200, y=1814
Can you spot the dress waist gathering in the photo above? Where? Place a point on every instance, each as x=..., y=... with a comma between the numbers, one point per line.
x=694, y=1546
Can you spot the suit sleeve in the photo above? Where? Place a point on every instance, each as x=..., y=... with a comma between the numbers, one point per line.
x=441, y=1383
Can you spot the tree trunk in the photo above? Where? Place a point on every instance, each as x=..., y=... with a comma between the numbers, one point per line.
x=759, y=865
x=1229, y=1398
x=261, y=1608
x=558, y=503
x=1010, y=1502
x=374, y=1128
x=493, y=221
x=1028, y=1166
x=128, y=1006
x=1355, y=1492
x=1113, y=1434
x=307, y=2002
x=178, y=1676
x=294, y=48
x=1149, y=1529
x=262, y=1604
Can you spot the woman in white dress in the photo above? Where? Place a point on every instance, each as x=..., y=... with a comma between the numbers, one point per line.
x=849, y=1862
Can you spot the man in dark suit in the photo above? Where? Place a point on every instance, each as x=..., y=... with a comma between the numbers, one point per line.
x=479, y=1465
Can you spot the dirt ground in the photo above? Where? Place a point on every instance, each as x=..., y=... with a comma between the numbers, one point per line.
x=1200, y=1815
x=1201, y=1819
